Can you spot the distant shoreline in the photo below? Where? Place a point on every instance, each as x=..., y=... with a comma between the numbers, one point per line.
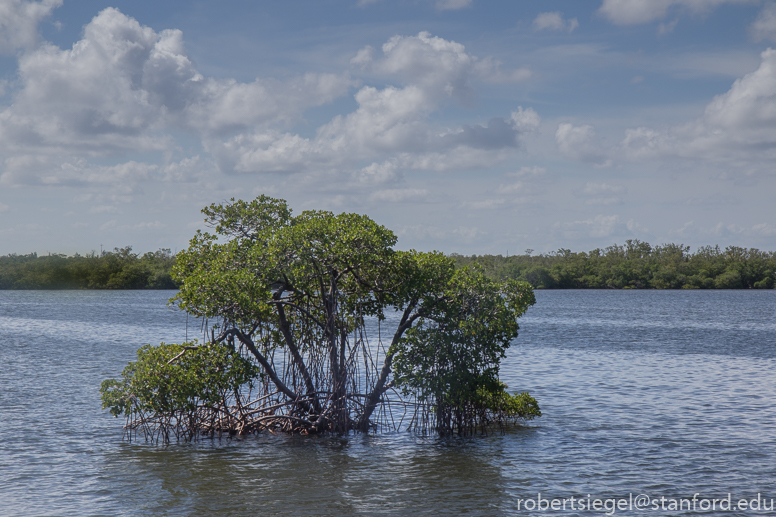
x=634, y=265
x=120, y=269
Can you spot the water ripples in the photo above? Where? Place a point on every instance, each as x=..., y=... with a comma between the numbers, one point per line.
x=664, y=393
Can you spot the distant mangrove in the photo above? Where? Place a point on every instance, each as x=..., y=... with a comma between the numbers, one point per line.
x=635, y=265
x=117, y=269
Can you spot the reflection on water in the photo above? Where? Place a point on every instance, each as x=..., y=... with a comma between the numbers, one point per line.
x=358, y=475
x=666, y=393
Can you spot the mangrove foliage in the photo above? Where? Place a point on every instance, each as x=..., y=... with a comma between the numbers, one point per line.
x=635, y=265
x=314, y=323
x=117, y=269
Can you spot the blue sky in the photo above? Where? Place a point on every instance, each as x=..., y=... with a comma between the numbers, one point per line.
x=466, y=126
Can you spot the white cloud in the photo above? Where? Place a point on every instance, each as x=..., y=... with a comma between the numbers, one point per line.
x=554, y=21
x=635, y=227
x=421, y=232
x=108, y=225
x=764, y=229
x=19, y=21
x=632, y=12
x=528, y=172
x=602, y=194
x=468, y=233
x=734, y=125
x=148, y=225
x=378, y=173
x=685, y=231
x=399, y=195
x=727, y=231
x=363, y=57
x=667, y=28
x=188, y=169
x=123, y=87
x=41, y=170
x=596, y=227
x=597, y=189
x=127, y=91
x=525, y=120
x=440, y=67
x=764, y=27
x=391, y=123
x=4, y=207
x=579, y=143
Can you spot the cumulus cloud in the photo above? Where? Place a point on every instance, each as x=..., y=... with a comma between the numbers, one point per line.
x=554, y=21
x=439, y=66
x=734, y=124
x=764, y=27
x=188, y=169
x=579, y=143
x=378, y=173
x=42, y=170
x=392, y=122
x=124, y=86
x=19, y=21
x=633, y=12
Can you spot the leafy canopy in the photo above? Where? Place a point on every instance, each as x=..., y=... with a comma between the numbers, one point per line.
x=291, y=297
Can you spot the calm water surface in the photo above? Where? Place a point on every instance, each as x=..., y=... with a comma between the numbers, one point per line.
x=647, y=392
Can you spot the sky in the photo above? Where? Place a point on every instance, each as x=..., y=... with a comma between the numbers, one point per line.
x=465, y=126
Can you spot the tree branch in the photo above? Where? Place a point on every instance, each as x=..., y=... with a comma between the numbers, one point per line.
x=406, y=322
x=248, y=342
x=295, y=306
x=286, y=330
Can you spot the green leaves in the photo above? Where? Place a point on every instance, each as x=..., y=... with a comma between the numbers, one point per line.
x=171, y=377
x=298, y=290
x=636, y=265
x=452, y=355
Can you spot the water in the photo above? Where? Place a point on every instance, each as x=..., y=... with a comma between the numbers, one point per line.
x=647, y=392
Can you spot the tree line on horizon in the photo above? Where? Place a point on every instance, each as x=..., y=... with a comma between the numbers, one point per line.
x=634, y=265
x=117, y=269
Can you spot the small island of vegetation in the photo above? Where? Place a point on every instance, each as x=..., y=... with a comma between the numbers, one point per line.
x=315, y=324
